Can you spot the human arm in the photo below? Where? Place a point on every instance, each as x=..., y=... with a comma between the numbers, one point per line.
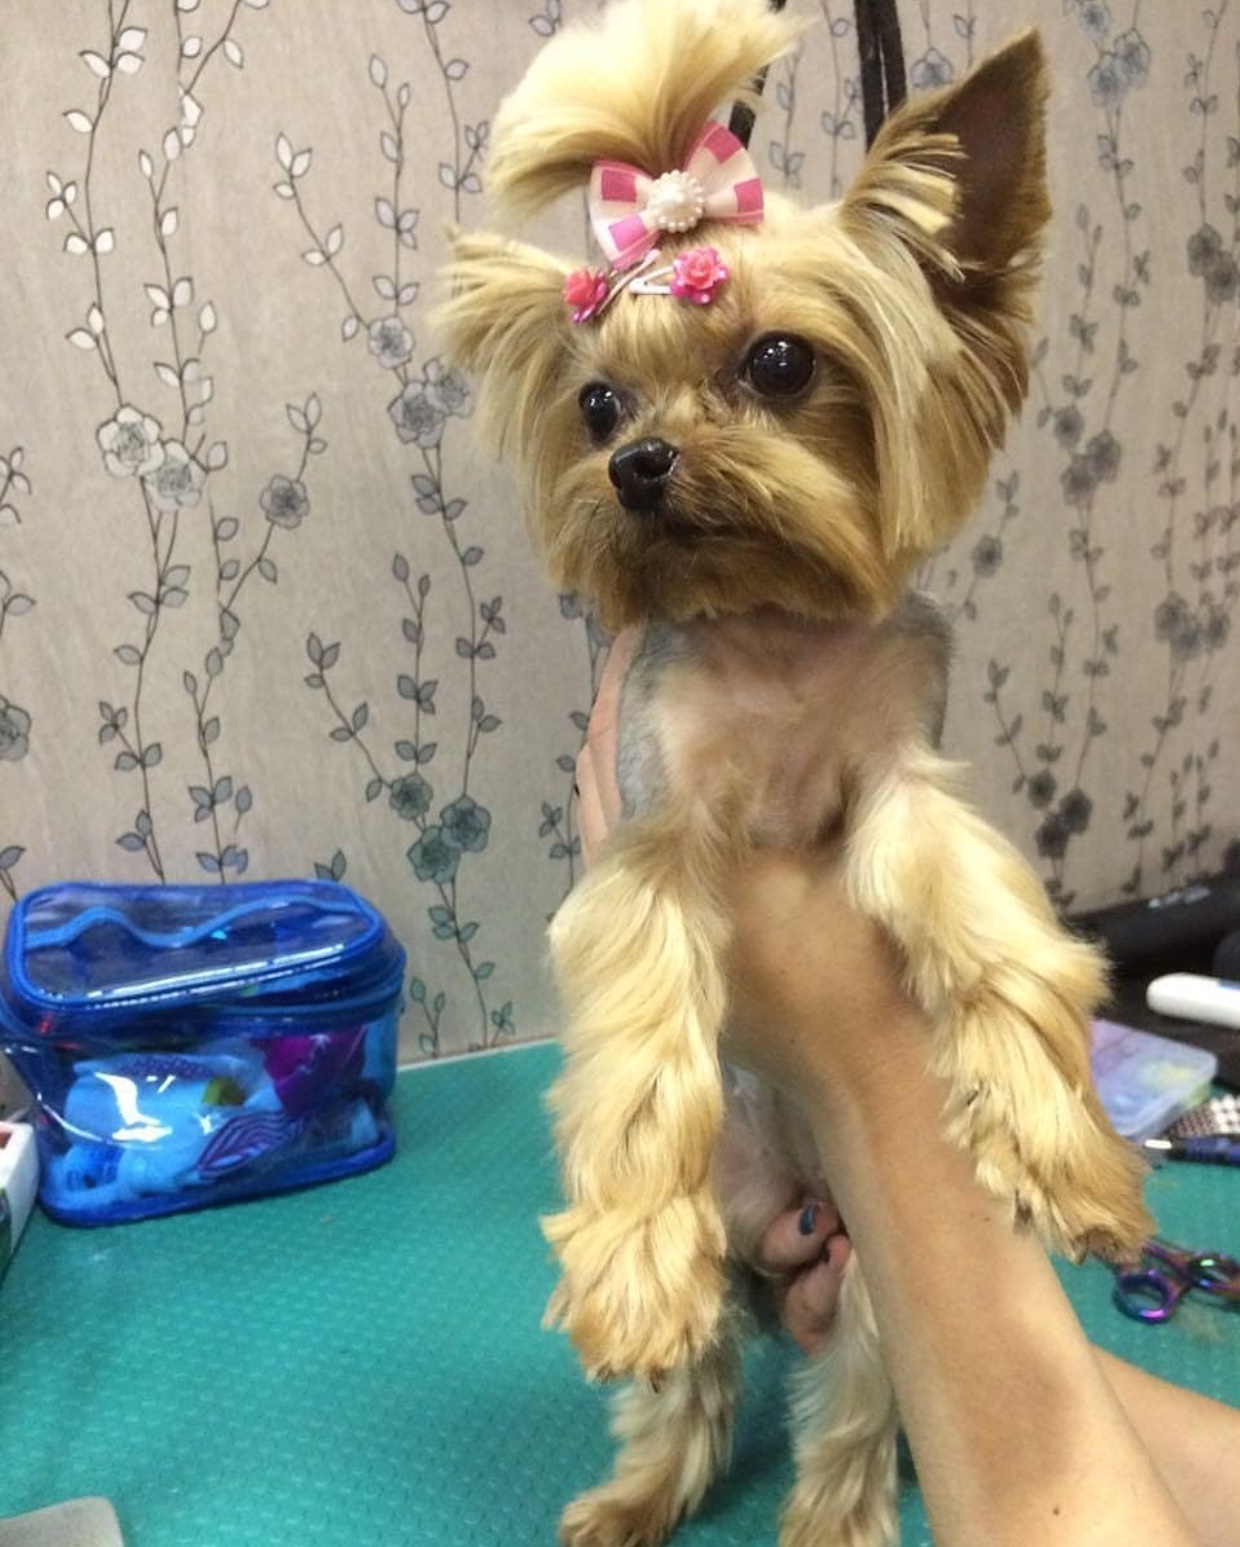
x=1007, y=1408
x=1016, y=1429
x=1193, y=1441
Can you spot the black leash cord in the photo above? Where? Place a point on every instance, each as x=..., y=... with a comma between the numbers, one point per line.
x=883, y=85
x=881, y=54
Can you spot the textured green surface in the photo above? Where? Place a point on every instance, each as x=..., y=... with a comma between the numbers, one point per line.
x=362, y=1363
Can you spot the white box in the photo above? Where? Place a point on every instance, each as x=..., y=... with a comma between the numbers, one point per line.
x=19, y=1181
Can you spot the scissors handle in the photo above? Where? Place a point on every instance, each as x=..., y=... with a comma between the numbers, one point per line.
x=1147, y=1295
x=1217, y=1275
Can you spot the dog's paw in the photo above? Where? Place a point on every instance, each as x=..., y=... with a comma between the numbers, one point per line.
x=869, y=1523
x=639, y=1295
x=845, y=1492
x=1059, y=1164
x=1083, y=1203
x=1108, y=1220
x=1016, y=1054
x=612, y=1516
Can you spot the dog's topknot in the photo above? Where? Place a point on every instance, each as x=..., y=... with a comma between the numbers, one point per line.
x=635, y=84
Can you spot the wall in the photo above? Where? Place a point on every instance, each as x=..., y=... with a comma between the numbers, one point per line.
x=265, y=606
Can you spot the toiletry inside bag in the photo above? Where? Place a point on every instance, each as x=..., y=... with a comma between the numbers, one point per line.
x=191, y=1045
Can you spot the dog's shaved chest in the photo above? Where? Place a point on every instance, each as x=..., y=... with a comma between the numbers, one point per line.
x=768, y=716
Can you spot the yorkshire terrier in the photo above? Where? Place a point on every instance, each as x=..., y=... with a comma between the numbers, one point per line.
x=745, y=433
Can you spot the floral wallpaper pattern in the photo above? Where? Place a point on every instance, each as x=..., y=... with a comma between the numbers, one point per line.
x=266, y=608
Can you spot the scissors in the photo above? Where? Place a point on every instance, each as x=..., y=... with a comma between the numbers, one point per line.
x=1151, y=1289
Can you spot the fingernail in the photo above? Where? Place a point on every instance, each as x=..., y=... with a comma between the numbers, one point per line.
x=808, y=1219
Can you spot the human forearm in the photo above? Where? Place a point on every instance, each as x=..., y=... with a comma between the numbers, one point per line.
x=1193, y=1441
x=1017, y=1436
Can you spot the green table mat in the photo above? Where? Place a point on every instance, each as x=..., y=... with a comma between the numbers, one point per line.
x=362, y=1363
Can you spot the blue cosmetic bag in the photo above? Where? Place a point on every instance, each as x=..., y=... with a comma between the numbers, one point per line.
x=190, y=1045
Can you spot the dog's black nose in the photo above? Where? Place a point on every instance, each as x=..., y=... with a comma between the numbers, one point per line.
x=640, y=472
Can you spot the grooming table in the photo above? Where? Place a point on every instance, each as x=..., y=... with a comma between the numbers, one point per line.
x=363, y=1362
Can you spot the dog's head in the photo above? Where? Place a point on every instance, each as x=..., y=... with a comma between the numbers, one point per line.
x=809, y=413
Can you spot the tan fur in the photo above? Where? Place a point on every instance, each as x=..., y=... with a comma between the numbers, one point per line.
x=673, y=1440
x=638, y=948
x=846, y=1418
x=785, y=693
x=636, y=86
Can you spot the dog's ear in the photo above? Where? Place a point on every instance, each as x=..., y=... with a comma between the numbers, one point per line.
x=506, y=321
x=959, y=175
x=952, y=196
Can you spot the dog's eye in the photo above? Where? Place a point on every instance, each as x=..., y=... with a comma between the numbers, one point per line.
x=779, y=366
x=601, y=409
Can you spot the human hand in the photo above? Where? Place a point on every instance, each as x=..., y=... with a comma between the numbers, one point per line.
x=803, y=1253
x=598, y=795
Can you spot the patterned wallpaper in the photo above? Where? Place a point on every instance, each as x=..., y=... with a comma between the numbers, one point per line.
x=267, y=609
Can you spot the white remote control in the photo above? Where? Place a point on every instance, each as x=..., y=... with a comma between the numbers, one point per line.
x=1194, y=998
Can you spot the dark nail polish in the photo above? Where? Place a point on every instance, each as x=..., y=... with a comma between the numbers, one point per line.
x=808, y=1219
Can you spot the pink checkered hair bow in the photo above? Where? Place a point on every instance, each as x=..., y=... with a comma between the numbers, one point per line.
x=629, y=208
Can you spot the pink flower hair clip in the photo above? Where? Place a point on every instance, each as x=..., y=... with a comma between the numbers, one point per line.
x=696, y=275
x=588, y=291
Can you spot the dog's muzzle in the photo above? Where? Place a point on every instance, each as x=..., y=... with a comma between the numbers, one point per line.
x=641, y=472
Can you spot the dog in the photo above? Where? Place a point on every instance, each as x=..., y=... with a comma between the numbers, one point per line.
x=744, y=434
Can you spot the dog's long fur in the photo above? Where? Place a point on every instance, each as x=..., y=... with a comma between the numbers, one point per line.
x=786, y=690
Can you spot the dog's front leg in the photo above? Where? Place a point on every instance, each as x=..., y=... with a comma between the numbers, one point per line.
x=1010, y=993
x=637, y=950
